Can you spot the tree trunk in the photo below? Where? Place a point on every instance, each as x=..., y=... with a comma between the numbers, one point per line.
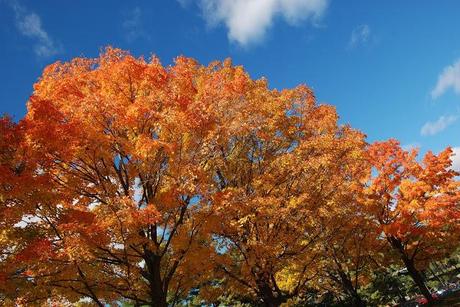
x=418, y=279
x=413, y=272
x=347, y=285
x=157, y=292
x=269, y=298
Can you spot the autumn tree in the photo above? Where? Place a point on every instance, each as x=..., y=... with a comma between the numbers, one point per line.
x=414, y=204
x=282, y=167
x=126, y=209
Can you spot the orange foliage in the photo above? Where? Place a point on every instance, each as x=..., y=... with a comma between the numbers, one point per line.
x=132, y=180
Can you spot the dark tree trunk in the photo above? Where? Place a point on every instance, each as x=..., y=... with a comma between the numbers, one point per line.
x=269, y=298
x=158, y=293
x=347, y=285
x=418, y=279
x=413, y=272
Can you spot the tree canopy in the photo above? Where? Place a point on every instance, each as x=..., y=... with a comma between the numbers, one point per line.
x=130, y=181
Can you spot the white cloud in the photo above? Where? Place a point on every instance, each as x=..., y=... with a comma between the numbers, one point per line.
x=456, y=159
x=138, y=190
x=432, y=128
x=248, y=20
x=359, y=36
x=132, y=25
x=29, y=24
x=449, y=78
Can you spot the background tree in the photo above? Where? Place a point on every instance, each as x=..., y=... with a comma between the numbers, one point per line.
x=282, y=169
x=414, y=204
x=388, y=285
x=21, y=189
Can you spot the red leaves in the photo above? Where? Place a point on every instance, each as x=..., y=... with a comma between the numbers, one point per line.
x=145, y=216
x=76, y=223
x=79, y=217
x=36, y=250
x=50, y=129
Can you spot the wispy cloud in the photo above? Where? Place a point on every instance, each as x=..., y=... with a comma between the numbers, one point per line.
x=184, y=3
x=432, y=128
x=30, y=25
x=359, y=36
x=248, y=21
x=456, y=159
x=132, y=25
x=449, y=78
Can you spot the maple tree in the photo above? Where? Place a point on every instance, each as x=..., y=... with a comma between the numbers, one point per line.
x=414, y=204
x=281, y=176
x=120, y=142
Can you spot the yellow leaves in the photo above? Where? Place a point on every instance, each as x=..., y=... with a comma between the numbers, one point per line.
x=294, y=202
x=146, y=147
x=131, y=216
x=287, y=278
x=244, y=220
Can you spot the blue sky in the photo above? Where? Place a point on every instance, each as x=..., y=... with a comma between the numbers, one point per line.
x=392, y=68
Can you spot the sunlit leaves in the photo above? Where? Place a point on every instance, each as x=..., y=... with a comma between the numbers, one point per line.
x=130, y=180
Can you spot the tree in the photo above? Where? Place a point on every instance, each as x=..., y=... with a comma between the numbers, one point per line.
x=120, y=142
x=414, y=204
x=281, y=174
